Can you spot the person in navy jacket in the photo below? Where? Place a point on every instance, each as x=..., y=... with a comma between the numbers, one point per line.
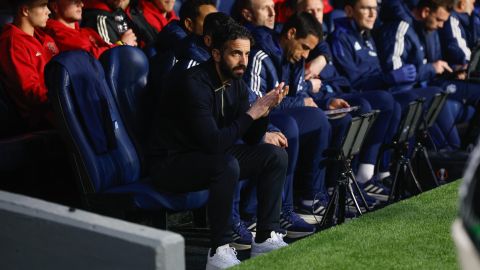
x=387, y=122
x=406, y=41
x=281, y=58
x=458, y=36
x=356, y=57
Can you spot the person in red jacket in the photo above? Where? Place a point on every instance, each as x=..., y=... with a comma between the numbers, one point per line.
x=66, y=31
x=24, y=51
x=158, y=13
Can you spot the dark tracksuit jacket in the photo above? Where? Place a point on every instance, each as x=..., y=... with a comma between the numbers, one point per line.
x=458, y=38
x=267, y=67
x=201, y=114
x=111, y=24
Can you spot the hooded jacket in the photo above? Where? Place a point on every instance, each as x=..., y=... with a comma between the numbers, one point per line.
x=68, y=39
x=402, y=40
x=202, y=114
x=111, y=24
x=267, y=67
x=355, y=57
x=22, y=63
x=154, y=17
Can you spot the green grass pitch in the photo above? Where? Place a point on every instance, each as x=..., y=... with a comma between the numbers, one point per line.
x=411, y=234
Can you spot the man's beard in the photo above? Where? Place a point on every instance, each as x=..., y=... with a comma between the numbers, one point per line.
x=230, y=72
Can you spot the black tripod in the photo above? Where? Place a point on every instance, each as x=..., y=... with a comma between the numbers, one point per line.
x=422, y=135
x=350, y=146
x=403, y=168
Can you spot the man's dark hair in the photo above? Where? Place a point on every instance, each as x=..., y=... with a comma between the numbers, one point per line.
x=191, y=9
x=305, y=24
x=352, y=2
x=232, y=32
x=433, y=5
x=216, y=22
x=237, y=7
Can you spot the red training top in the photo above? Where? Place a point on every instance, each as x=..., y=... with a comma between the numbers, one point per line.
x=153, y=15
x=22, y=62
x=67, y=38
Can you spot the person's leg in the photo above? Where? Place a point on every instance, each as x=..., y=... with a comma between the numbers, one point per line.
x=188, y=172
x=289, y=220
x=314, y=135
x=267, y=164
x=288, y=126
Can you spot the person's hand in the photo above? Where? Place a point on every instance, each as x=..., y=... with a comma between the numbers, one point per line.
x=283, y=93
x=441, y=66
x=338, y=103
x=263, y=105
x=129, y=38
x=314, y=67
x=309, y=102
x=405, y=74
x=316, y=85
x=276, y=138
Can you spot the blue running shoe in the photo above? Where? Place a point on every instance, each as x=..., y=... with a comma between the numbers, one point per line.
x=375, y=189
x=313, y=212
x=241, y=236
x=294, y=225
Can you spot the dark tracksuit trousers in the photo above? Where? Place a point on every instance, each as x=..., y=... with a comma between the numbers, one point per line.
x=219, y=173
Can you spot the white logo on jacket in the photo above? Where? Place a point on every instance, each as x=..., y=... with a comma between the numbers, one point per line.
x=357, y=46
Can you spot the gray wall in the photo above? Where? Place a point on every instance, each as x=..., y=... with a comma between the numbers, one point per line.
x=35, y=234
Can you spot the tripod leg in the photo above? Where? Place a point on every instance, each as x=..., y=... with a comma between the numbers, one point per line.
x=393, y=191
x=430, y=167
x=341, y=201
x=364, y=201
x=413, y=176
x=352, y=194
x=329, y=212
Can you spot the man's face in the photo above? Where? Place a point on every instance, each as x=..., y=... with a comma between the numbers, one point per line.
x=114, y=4
x=197, y=25
x=434, y=20
x=364, y=13
x=68, y=10
x=314, y=7
x=298, y=48
x=262, y=13
x=165, y=5
x=38, y=14
x=234, y=58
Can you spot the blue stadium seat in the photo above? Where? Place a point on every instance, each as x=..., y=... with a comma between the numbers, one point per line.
x=6, y=16
x=110, y=178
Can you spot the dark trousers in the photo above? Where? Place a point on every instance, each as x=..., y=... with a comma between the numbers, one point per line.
x=219, y=173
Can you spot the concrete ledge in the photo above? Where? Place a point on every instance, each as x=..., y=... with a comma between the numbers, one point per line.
x=36, y=234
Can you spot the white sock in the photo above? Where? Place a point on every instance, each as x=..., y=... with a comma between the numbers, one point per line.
x=365, y=172
x=382, y=175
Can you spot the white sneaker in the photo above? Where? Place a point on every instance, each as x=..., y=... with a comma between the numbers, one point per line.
x=225, y=257
x=274, y=242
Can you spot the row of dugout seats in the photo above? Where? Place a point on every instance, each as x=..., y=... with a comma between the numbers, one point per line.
x=112, y=181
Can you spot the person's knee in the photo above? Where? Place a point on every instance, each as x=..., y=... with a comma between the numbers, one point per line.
x=277, y=156
x=227, y=166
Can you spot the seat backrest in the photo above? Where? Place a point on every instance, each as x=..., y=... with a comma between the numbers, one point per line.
x=97, y=172
x=6, y=16
x=126, y=71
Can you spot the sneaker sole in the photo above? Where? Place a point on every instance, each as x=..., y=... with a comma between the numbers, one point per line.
x=292, y=234
x=380, y=197
x=311, y=219
x=238, y=246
